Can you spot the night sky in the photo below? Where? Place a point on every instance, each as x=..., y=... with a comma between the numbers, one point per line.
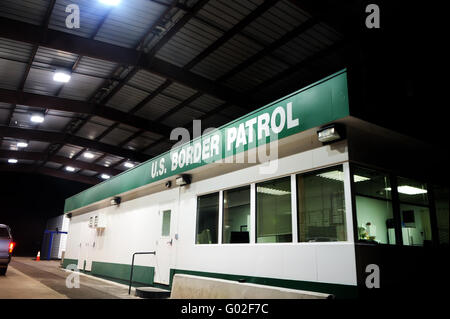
x=28, y=200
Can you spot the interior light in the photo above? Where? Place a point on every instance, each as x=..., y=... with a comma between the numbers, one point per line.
x=62, y=77
x=88, y=155
x=37, y=118
x=339, y=176
x=22, y=144
x=128, y=165
x=409, y=190
x=105, y=176
x=12, y=161
x=272, y=191
x=110, y=2
x=70, y=169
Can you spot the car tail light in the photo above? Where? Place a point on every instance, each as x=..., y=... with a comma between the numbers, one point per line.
x=11, y=247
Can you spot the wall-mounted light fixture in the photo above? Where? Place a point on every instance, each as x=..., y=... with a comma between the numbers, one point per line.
x=183, y=180
x=330, y=133
x=116, y=200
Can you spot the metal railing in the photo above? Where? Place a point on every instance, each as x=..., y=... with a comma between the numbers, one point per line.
x=132, y=265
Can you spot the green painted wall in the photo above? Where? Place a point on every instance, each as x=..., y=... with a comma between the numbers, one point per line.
x=317, y=104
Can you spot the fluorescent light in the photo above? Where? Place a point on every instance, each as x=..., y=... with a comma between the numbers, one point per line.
x=105, y=176
x=70, y=169
x=271, y=191
x=409, y=190
x=12, y=161
x=110, y=2
x=61, y=77
x=128, y=165
x=339, y=176
x=22, y=144
x=37, y=118
x=88, y=155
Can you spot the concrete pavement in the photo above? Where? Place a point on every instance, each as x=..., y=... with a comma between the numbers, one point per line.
x=30, y=279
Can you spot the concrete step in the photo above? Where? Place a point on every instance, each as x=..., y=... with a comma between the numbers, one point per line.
x=152, y=293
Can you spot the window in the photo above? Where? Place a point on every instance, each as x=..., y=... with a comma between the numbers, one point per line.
x=273, y=211
x=414, y=212
x=321, y=206
x=374, y=214
x=166, y=223
x=236, y=215
x=442, y=203
x=207, y=219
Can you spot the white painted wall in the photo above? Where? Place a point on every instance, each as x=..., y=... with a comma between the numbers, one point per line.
x=136, y=226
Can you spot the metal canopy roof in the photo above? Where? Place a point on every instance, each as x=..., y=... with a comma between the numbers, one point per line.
x=143, y=68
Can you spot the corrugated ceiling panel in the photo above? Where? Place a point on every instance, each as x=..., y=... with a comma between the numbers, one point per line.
x=159, y=148
x=54, y=123
x=207, y=102
x=30, y=11
x=54, y=58
x=4, y=113
x=127, y=98
x=88, y=173
x=258, y=72
x=146, y=81
x=151, y=135
x=233, y=52
x=187, y=43
x=14, y=50
x=128, y=22
x=37, y=146
x=101, y=121
x=81, y=87
x=11, y=74
x=69, y=150
x=182, y=117
x=96, y=67
x=91, y=130
x=157, y=107
x=109, y=161
x=139, y=143
x=90, y=160
x=53, y=165
x=277, y=21
x=179, y=91
x=92, y=13
x=41, y=82
x=116, y=136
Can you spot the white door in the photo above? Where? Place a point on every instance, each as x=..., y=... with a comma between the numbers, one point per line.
x=87, y=244
x=164, y=245
x=90, y=246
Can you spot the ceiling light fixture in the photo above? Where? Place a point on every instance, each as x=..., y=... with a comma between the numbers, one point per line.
x=272, y=191
x=330, y=133
x=409, y=190
x=22, y=144
x=105, y=176
x=110, y=2
x=61, y=76
x=128, y=165
x=88, y=155
x=12, y=161
x=339, y=176
x=36, y=118
x=70, y=169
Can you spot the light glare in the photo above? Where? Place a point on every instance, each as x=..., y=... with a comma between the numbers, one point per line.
x=12, y=161
x=37, y=119
x=61, y=77
x=105, y=176
x=110, y=2
x=22, y=144
x=70, y=169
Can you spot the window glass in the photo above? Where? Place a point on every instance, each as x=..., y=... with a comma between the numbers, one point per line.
x=416, y=227
x=4, y=232
x=374, y=214
x=442, y=203
x=410, y=191
x=207, y=219
x=166, y=223
x=273, y=211
x=236, y=215
x=321, y=206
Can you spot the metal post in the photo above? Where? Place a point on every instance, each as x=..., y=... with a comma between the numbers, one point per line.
x=132, y=266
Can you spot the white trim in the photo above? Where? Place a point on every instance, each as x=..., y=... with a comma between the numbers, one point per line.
x=219, y=230
x=294, y=208
x=252, y=214
x=348, y=202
